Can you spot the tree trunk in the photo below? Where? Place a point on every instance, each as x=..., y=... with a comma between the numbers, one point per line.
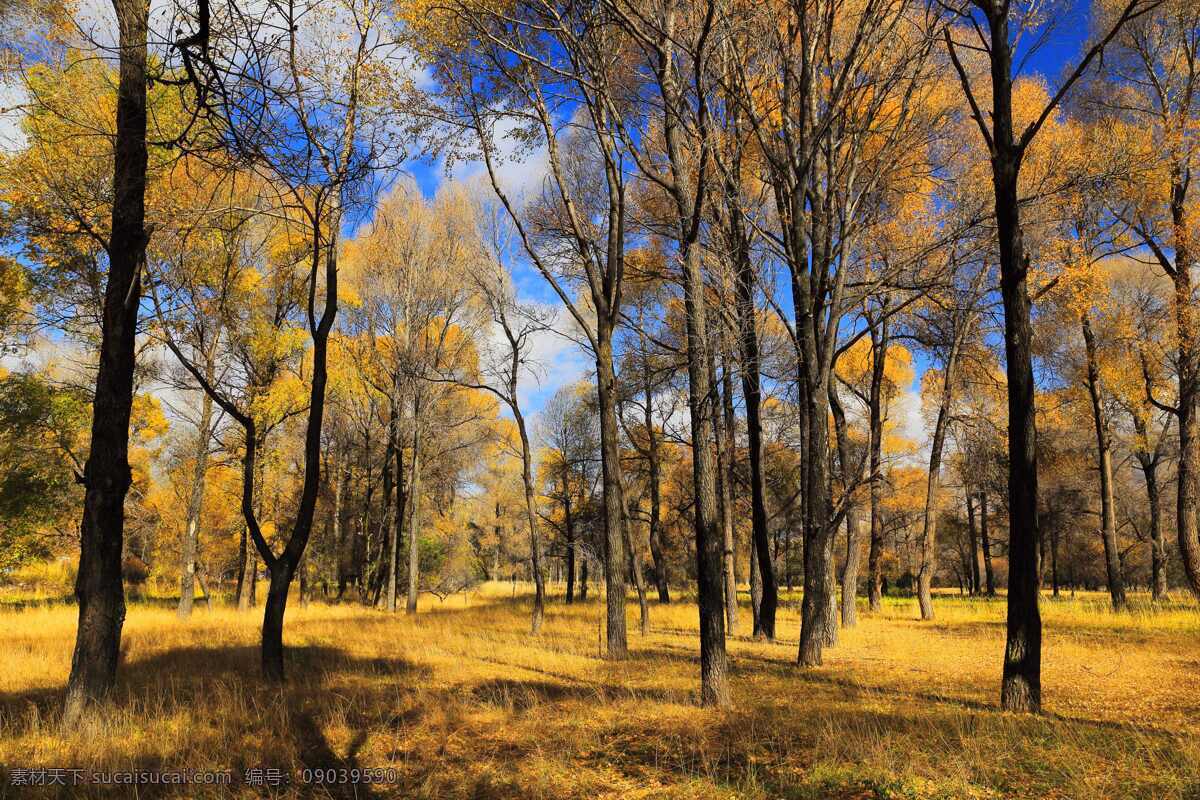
x=187, y=587
x=252, y=589
x=1188, y=413
x=933, y=488
x=1021, y=686
x=272, y=629
x=614, y=500
x=654, y=463
x=639, y=583
x=98, y=588
x=986, y=543
x=1108, y=517
x=283, y=567
x=714, y=688
x=879, y=342
x=1158, y=550
x=973, y=533
x=724, y=444
x=414, y=518
x=535, y=541
x=569, y=521
x=853, y=533
x=392, y=509
x=243, y=585
x=752, y=395
x=756, y=590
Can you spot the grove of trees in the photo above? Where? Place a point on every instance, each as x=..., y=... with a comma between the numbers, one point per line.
x=372, y=301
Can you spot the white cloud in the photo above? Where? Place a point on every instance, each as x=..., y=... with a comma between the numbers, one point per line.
x=12, y=99
x=519, y=170
x=906, y=412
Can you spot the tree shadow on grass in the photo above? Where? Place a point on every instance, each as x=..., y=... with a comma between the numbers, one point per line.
x=273, y=727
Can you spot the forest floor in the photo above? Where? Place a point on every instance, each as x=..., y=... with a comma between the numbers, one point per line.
x=459, y=701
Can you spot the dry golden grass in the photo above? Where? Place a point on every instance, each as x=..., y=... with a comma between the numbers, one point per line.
x=461, y=702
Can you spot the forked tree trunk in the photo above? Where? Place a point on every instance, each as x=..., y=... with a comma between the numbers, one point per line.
x=272, y=628
x=283, y=567
x=98, y=587
x=1148, y=462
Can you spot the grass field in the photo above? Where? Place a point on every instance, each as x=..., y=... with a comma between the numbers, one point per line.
x=460, y=702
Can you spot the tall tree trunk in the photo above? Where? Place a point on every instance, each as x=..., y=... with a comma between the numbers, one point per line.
x=614, y=499
x=569, y=522
x=724, y=444
x=1158, y=551
x=973, y=534
x=986, y=543
x=639, y=583
x=756, y=589
x=764, y=624
x=816, y=608
x=583, y=579
x=933, y=489
x=653, y=459
x=1187, y=322
x=714, y=688
x=879, y=343
x=1021, y=686
x=389, y=541
x=849, y=611
x=1108, y=517
x=191, y=535
x=98, y=588
x=535, y=540
x=283, y=567
x=414, y=517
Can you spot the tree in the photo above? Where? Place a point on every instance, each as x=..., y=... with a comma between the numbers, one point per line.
x=106, y=474
x=991, y=22
x=1153, y=68
x=948, y=332
x=501, y=367
x=308, y=108
x=520, y=70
